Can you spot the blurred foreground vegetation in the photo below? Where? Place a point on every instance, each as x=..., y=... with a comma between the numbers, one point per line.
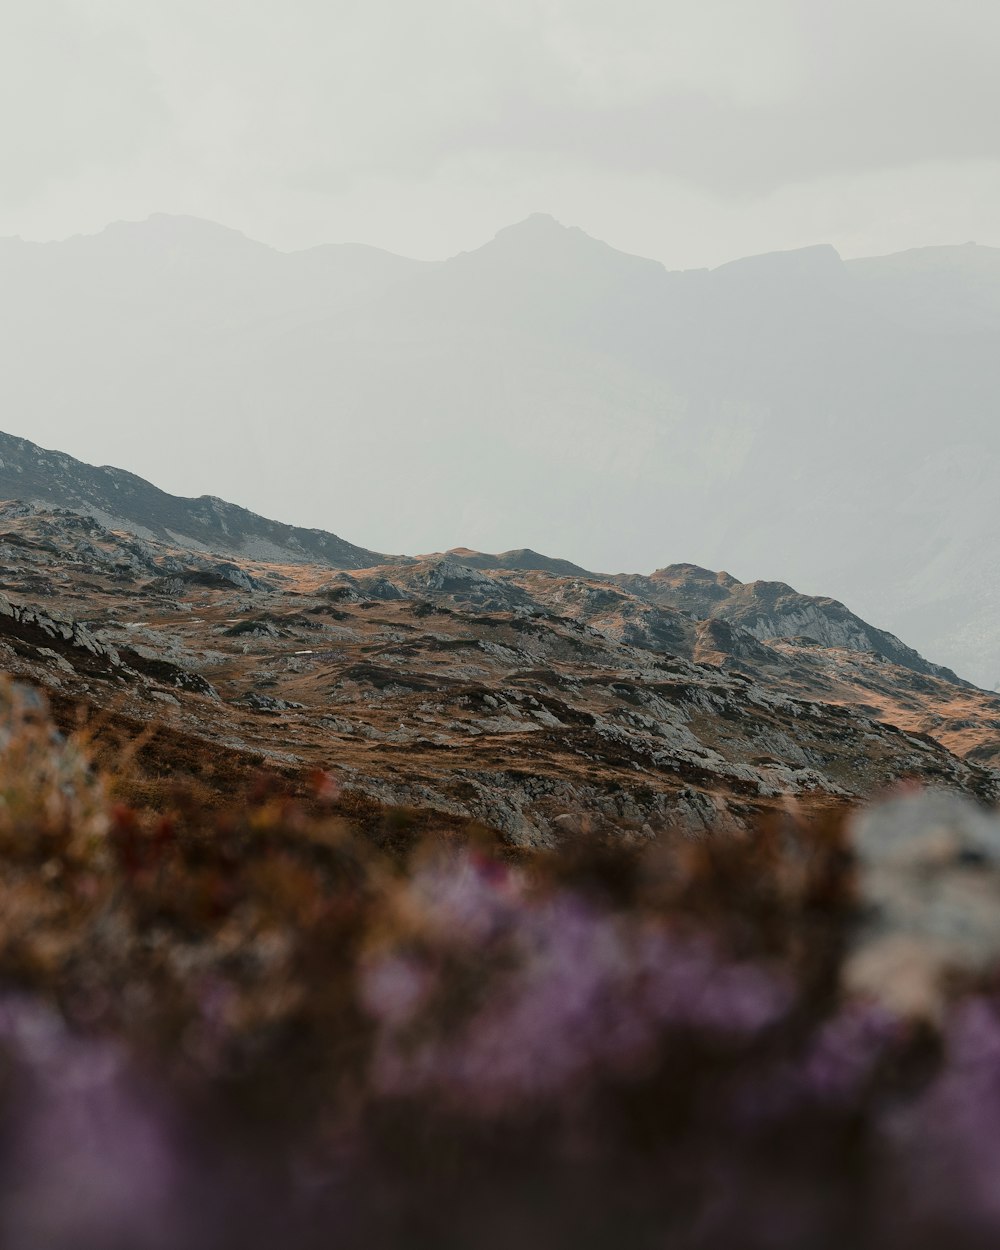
x=265, y=1024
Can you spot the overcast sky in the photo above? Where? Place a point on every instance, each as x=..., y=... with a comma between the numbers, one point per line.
x=694, y=131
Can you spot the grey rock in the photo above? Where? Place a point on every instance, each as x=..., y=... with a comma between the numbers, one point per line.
x=929, y=891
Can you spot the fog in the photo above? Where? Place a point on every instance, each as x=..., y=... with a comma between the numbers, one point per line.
x=692, y=131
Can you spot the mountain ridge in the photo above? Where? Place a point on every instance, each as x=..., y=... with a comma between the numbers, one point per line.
x=538, y=222
x=121, y=500
x=540, y=705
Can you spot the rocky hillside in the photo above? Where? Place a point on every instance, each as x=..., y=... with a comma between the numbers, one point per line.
x=769, y=610
x=537, y=703
x=126, y=502
x=122, y=501
x=857, y=666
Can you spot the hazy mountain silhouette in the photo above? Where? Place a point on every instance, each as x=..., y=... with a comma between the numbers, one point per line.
x=787, y=416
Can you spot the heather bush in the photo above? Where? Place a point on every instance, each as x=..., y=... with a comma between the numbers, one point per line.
x=257, y=1026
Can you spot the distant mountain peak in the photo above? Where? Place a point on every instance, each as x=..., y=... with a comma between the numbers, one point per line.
x=540, y=230
x=522, y=559
x=540, y=225
x=540, y=242
x=172, y=230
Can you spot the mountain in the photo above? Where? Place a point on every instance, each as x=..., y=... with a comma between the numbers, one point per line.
x=793, y=416
x=763, y=610
x=126, y=502
x=540, y=705
x=524, y=559
x=516, y=689
x=768, y=610
x=123, y=501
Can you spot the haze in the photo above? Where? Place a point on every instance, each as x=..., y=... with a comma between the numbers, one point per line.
x=692, y=132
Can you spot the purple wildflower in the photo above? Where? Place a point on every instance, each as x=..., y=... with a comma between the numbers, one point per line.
x=88, y=1163
x=577, y=991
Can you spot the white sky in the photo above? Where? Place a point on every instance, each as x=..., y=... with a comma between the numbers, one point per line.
x=693, y=131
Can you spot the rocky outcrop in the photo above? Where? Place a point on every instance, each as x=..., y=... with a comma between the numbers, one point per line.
x=74, y=650
x=30, y=624
x=769, y=610
x=928, y=883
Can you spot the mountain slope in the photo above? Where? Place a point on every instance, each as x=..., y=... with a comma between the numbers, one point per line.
x=443, y=687
x=126, y=502
x=761, y=610
x=515, y=689
x=120, y=500
x=773, y=610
